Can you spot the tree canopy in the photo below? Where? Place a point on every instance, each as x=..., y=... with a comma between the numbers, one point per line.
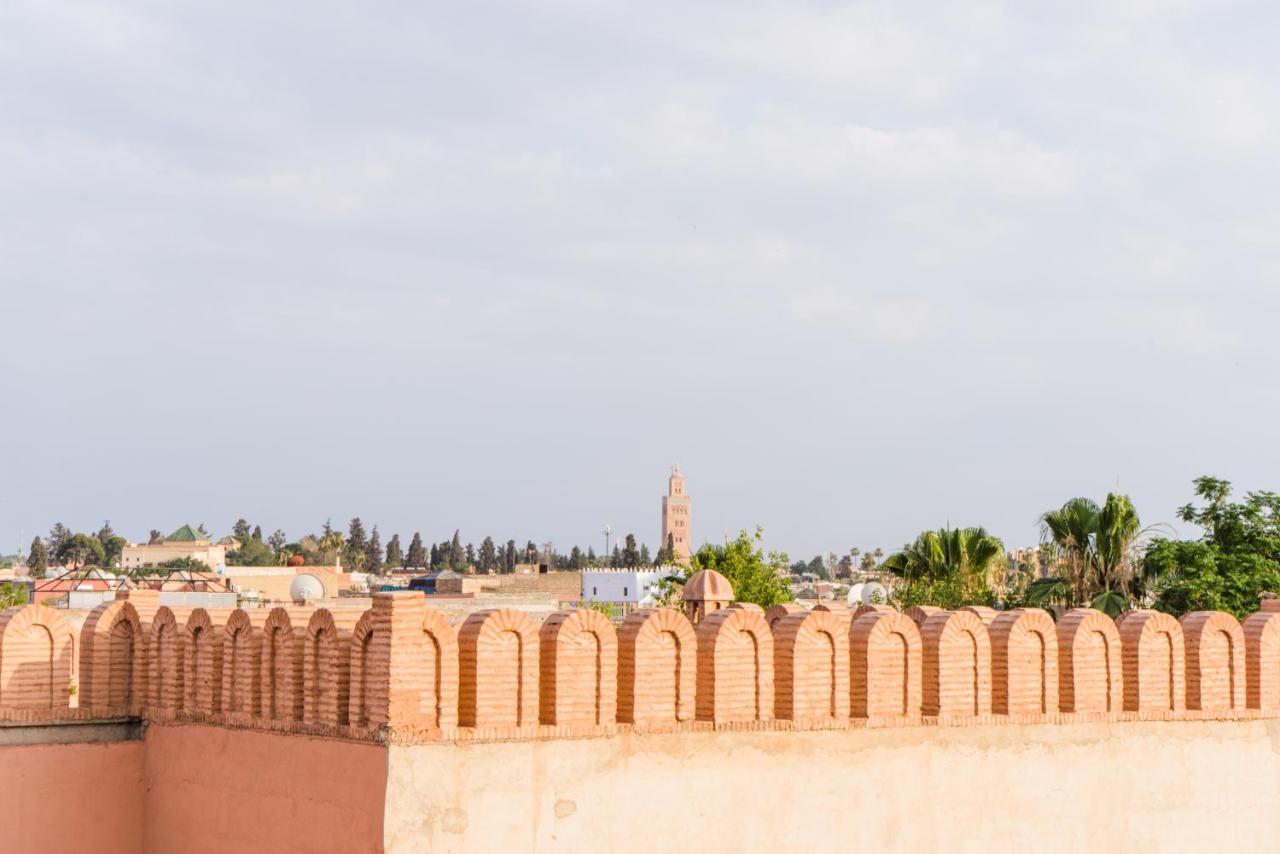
x=756, y=576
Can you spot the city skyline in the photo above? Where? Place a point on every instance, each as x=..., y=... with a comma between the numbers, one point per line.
x=861, y=271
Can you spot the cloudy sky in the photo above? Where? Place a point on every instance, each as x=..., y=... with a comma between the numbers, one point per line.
x=860, y=269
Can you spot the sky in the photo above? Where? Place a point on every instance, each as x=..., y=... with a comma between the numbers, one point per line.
x=859, y=269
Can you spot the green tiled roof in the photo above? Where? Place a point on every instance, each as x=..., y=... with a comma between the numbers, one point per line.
x=185, y=534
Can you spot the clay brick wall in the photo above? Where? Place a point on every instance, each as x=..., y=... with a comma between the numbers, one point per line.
x=399, y=670
x=1024, y=663
x=1154, y=662
x=1089, y=671
x=735, y=667
x=498, y=670
x=657, y=667
x=885, y=665
x=35, y=658
x=957, y=665
x=811, y=666
x=1262, y=661
x=578, y=659
x=1215, y=646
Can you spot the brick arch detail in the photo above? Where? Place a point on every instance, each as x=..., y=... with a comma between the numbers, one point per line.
x=1262, y=661
x=1154, y=662
x=956, y=665
x=1024, y=663
x=202, y=663
x=735, y=667
x=326, y=675
x=362, y=689
x=885, y=665
x=578, y=660
x=241, y=658
x=164, y=642
x=280, y=669
x=777, y=612
x=36, y=649
x=657, y=667
x=811, y=666
x=498, y=669
x=1090, y=676
x=1215, y=649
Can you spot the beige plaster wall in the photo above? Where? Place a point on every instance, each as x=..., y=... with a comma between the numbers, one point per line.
x=1131, y=787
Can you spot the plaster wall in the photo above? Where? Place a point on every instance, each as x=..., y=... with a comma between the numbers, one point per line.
x=72, y=798
x=211, y=789
x=1122, y=787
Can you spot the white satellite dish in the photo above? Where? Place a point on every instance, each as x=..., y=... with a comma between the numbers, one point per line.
x=864, y=592
x=305, y=588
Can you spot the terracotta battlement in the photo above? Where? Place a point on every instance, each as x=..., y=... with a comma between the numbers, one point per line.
x=400, y=672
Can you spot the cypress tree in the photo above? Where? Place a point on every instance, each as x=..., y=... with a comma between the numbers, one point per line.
x=38, y=559
x=488, y=555
x=357, y=544
x=417, y=555
x=373, y=553
x=394, y=555
x=457, y=557
x=511, y=556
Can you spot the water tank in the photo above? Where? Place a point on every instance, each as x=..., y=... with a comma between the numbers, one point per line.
x=305, y=588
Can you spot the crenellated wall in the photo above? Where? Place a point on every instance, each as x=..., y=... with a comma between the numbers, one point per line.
x=400, y=672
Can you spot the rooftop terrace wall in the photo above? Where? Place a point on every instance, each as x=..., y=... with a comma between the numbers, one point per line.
x=400, y=672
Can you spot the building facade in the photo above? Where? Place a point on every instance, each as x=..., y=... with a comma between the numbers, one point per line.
x=186, y=542
x=676, y=519
x=632, y=586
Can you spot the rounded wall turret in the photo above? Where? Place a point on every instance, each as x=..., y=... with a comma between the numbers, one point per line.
x=706, y=592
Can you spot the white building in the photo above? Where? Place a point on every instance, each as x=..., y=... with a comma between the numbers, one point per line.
x=633, y=586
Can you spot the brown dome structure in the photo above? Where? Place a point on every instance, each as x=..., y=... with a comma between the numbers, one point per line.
x=706, y=592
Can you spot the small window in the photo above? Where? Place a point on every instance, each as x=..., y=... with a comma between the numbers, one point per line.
x=624, y=592
x=593, y=591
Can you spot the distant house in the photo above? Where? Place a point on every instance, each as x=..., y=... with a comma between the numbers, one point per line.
x=186, y=542
x=632, y=586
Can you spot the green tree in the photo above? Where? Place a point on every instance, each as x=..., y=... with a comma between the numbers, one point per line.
x=357, y=545
x=395, y=557
x=488, y=556
x=58, y=534
x=1231, y=565
x=330, y=544
x=276, y=542
x=416, y=557
x=948, y=567
x=80, y=550
x=756, y=576
x=112, y=549
x=630, y=554
x=457, y=555
x=373, y=553
x=154, y=537
x=240, y=530
x=1099, y=551
x=38, y=559
x=510, y=557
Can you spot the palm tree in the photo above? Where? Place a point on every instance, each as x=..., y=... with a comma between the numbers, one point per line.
x=1102, y=547
x=1072, y=528
x=968, y=554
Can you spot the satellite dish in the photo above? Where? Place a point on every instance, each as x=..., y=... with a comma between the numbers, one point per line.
x=863, y=592
x=305, y=588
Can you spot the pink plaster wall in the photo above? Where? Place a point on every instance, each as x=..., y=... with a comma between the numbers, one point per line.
x=72, y=798
x=211, y=789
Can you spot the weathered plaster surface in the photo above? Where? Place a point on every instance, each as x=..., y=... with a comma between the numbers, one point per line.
x=1131, y=787
x=72, y=798
x=211, y=789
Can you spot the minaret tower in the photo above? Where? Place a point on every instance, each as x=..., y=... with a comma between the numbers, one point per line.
x=675, y=517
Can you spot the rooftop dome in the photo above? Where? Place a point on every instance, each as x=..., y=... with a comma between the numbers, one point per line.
x=707, y=585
